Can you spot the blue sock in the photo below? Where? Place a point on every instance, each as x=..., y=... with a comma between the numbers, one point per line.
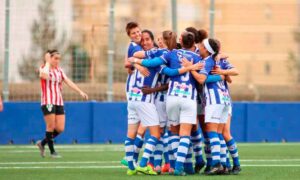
x=166, y=151
x=182, y=151
x=222, y=150
x=214, y=147
x=173, y=145
x=228, y=164
x=129, y=151
x=158, y=152
x=196, y=139
x=234, y=152
x=207, y=149
x=149, y=148
x=188, y=164
x=138, y=144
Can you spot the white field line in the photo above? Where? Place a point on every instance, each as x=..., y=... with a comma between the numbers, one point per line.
x=67, y=150
x=96, y=146
x=70, y=162
x=114, y=162
x=115, y=167
x=268, y=160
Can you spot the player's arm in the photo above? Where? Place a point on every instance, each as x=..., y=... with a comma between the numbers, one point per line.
x=157, y=61
x=148, y=90
x=44, y=72
x=73, y=86
x=200, y=78
x=225, y=72
x=214, y=78
x=143, y=70
x=140, y=54
x=1, y=104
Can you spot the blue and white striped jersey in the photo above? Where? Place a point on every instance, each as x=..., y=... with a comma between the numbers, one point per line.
x=133, y=47
x=224, y=64
x=162, y=78
x=183, y=85
x=216, y=92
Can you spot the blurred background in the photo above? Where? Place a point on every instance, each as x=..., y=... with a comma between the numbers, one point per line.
x=261, y=37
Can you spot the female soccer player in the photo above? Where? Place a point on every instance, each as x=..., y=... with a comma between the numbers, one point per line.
x=52, y=76
x=217, y=102
x=166, y=42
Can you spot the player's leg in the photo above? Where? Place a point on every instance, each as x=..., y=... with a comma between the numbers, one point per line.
x=149, y=118
x=231, y=145
x=212, y=119
x=49, y=117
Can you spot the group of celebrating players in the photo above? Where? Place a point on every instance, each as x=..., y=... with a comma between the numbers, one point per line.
x=176, y=90
x=179, y=92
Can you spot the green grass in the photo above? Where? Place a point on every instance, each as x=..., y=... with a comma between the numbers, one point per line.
x=259, y=161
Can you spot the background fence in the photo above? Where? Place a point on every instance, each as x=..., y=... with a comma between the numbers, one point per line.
x=261, y=38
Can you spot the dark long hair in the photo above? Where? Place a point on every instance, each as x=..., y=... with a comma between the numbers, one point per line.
x=151, y=36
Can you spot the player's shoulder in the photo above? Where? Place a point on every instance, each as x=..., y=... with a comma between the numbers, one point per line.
x=133, y=44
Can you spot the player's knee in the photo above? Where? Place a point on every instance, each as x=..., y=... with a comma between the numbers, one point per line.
x=60, y=129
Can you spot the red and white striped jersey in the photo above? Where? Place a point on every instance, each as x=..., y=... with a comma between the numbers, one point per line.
x=51, y=88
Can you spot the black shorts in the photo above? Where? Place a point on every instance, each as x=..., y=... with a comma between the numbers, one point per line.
x=53, y=109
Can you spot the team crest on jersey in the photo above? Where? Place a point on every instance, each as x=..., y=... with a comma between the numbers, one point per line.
x=135, y=92
x=49, y=107
x=182, y=89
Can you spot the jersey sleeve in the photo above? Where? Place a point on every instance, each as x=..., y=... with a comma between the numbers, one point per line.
x=225, y=64
x=209, y=64
x=151, y=53
x=63, y=75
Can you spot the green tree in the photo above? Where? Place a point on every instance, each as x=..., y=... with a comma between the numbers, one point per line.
x=44, y=37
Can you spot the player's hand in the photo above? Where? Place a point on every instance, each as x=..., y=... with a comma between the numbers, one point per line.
x=197, y=66
x=186, y=63
x=221, y=56
x=228, y=79
x=131, y=60
x=47, y=57
x=147, y=90
x=84, y=95
x=217, y=70
x=143, y=70
x=1, y=106
x=127, y=64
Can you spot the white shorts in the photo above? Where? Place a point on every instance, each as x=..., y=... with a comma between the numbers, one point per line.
x=181, y=110
x=162, y=112
x=142, y=112
x=230, y=110
x=216, y=113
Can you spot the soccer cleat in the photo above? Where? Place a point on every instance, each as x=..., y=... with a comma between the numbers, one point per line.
x=151, y=165
x=207, y=169
x=146, y=170
x=41, y=148
x=171, y=171
x=157, y=169
x=226, y=170
x=198, y=167
x=179, y=172
x=131, y=172
x=236, y=170
x=188, y=169
x=165, y=168
x=55, y=155
x=124, y=162
x=216, y=169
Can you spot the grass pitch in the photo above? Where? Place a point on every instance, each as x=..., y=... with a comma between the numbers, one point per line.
x=258, y=161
